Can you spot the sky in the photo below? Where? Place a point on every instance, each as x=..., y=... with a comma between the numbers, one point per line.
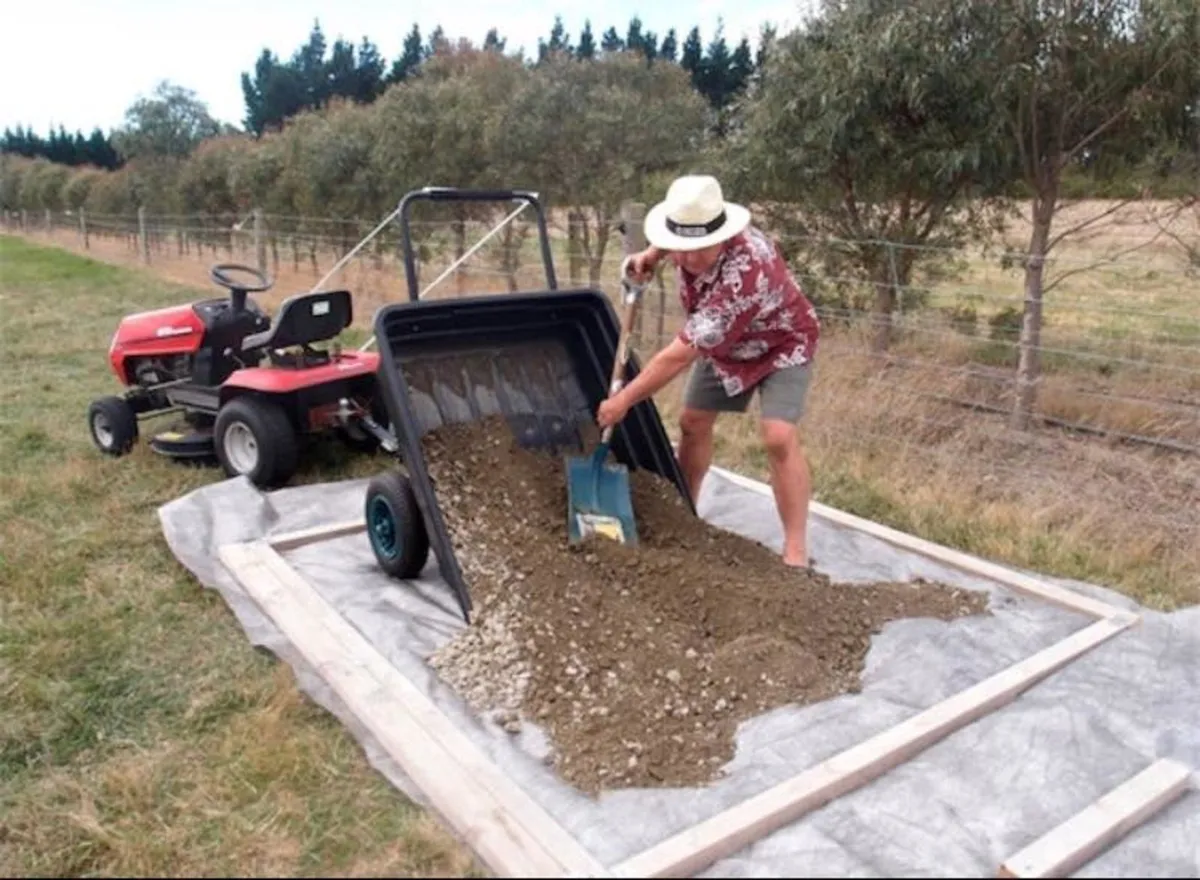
x=107, y=55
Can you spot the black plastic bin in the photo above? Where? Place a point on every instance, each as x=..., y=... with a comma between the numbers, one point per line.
x=542, y=360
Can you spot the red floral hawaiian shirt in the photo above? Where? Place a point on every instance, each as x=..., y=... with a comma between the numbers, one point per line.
x=747, y=314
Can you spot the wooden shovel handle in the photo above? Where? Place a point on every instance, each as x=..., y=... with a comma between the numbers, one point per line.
x=632, y=297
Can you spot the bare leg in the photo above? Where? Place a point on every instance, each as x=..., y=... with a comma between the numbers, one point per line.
x=696, y=447
x=791, y=483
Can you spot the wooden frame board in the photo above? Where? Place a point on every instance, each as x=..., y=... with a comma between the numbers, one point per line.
x=1062, y=850
x=513, y=835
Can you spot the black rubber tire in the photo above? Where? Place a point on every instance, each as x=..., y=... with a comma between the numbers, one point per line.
x=277, y=452
x=395, y=526
x=118, y=431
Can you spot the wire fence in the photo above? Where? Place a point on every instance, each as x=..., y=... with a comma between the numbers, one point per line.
x=1120, y=346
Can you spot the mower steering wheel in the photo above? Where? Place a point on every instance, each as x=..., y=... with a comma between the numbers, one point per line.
x=217, y=273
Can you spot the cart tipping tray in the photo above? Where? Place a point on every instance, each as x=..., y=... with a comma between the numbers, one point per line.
x=540, y=360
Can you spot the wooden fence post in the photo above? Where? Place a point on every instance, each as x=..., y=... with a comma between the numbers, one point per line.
x=143, y=242
x=260, y=241
x=83, y=230
x=633, y=214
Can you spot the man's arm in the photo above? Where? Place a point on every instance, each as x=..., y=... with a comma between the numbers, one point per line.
x=661, y=369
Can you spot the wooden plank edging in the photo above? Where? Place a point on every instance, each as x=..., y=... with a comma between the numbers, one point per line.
x=512, y=834
x=292, y=540
x=517, y=838
x=1064, y=849
x=1023, y=583
x=697, y=848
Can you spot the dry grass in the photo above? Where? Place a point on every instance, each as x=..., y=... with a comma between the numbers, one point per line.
x=141, y=733
x=1123, y=358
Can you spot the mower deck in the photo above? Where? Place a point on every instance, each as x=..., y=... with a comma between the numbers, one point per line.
x=184, y=442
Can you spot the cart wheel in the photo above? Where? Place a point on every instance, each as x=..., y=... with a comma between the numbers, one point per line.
x=253, y=437
x=113, y=425
x=395, y=526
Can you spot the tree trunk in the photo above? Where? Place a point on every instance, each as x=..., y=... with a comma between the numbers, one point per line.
x=1029, y=367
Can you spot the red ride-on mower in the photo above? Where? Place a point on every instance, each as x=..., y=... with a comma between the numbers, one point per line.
x=249, y=389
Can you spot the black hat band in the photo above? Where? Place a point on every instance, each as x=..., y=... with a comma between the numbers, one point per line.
x=696, y=230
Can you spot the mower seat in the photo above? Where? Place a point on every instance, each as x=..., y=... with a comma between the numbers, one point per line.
x=304, y=319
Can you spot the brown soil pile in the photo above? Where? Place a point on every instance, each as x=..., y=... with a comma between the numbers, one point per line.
x=639, y=662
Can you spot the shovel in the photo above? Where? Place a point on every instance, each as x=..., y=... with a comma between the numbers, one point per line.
x=599, y=501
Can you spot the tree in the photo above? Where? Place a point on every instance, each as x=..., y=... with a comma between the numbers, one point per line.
x=741, y=67
x=341, y=72
x=578, y=132
x=611, y=41
x=493, y=43
x=368, y=74
x=276, y=93
x=874, y=124
x=586, y=50
x=559, y=43
x=1098, y=79
x=669, y=47
x=443, y=129
x=411, y=56
x=309, y=64
x=766, y=38
x=169, y=124
x=692, y=59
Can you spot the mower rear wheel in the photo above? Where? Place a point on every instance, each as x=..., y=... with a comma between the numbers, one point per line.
x=253, y=437
x=113, y=425
x=395, y=526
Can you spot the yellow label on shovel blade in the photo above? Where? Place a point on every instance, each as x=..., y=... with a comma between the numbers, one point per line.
x=605, y=526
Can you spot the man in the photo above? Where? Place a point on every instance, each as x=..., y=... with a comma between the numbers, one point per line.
x=749, y=329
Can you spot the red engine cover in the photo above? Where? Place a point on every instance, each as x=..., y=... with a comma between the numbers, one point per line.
x=281, y=380
x=169, y=331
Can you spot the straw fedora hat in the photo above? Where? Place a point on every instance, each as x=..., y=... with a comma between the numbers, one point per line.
x=694, y=215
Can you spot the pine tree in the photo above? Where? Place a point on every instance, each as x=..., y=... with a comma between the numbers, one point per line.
x=611, y=42
x=670, y=47
x=493, y=42
x=586, y=49
x=368, y=75
x=693, y=56
x=411, y=56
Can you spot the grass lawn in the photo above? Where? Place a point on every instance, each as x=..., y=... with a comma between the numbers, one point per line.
x=141, y=733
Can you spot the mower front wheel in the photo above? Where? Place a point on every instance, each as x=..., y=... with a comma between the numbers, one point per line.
x=253, y=437
x=395, y=526
x=113, y=425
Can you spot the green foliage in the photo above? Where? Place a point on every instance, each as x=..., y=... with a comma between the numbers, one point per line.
x=61, y=147
x=168, y=125
x=276, y=90
x=578, y=132
x=873, y=125
x=1005, y=325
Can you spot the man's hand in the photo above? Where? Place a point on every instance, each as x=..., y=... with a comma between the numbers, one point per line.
x=641, y=264
x=612, y=411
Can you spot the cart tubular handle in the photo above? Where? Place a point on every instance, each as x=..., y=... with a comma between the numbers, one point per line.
x=454, y=194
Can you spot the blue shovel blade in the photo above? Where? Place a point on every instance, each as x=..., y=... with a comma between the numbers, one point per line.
x=599, y=501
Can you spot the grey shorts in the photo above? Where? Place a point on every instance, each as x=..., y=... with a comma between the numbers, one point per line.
x=782, y=395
